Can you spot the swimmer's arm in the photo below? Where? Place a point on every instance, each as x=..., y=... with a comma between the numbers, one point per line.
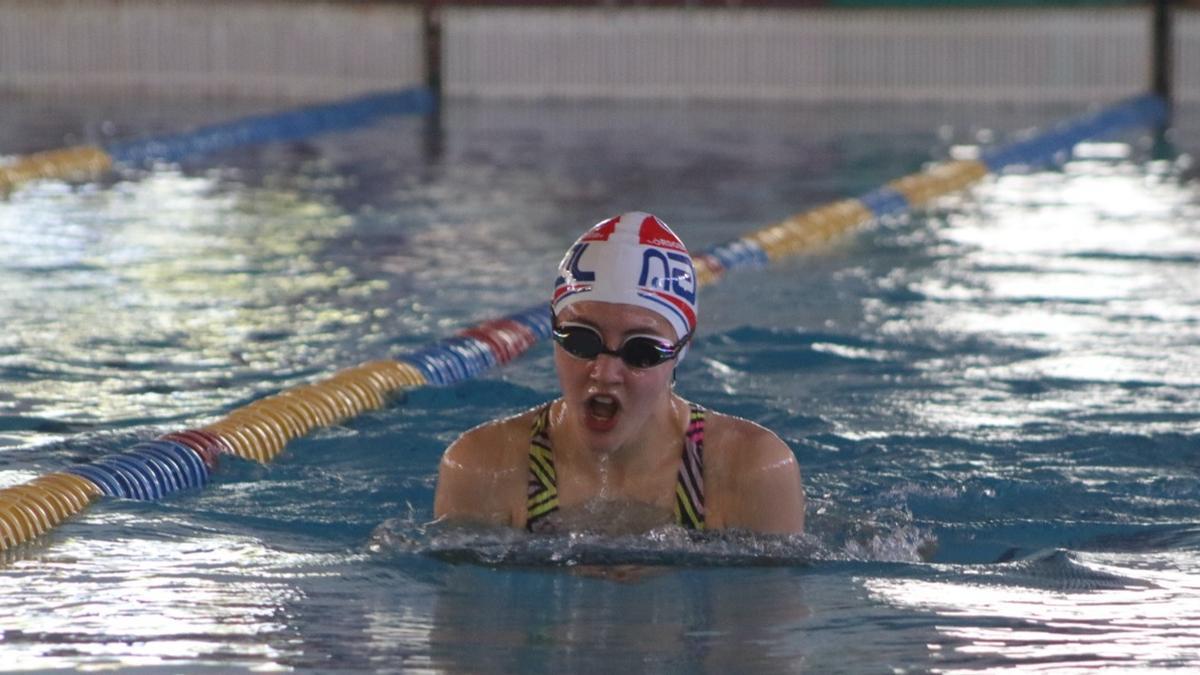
x=770, y=494
x=472, y=483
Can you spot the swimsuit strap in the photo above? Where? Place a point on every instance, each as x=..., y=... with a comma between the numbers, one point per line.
x=689, y=487
x=543, y=482
x=542, y=492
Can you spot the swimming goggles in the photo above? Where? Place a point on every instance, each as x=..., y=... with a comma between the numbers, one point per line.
x=637, y=351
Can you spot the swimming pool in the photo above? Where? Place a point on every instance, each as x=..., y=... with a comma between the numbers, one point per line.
x=994, y=403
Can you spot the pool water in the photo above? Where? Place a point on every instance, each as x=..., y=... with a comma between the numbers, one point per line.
x=995, y=403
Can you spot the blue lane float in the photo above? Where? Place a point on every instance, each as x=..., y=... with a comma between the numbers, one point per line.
x=102, y=478
x=537, y=319
x=739, y=253
x=273, y=128
x=885, y=201
x=149, y=470
x=1052, y=146
x=190, y=469
x=86, y=162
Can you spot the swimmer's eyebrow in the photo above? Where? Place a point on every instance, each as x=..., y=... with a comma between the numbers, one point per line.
x=645, y=330
x=648, y=331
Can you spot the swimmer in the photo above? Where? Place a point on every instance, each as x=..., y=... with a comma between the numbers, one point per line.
x=620, y=452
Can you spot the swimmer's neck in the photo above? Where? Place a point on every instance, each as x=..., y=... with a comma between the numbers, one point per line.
x=657, y=444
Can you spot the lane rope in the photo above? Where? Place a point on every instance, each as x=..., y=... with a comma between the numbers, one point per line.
x=88, y=162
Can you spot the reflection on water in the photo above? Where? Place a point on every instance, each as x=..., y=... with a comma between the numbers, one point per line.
x=132, y=600
x=488, y=621
x=1088, y=610
x=145, y=299
x=1068, y=278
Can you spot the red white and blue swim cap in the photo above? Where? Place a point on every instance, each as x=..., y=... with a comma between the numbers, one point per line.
x=633, y=259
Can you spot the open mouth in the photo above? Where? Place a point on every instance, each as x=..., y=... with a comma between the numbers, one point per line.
x=603, y=407
x=602, y=411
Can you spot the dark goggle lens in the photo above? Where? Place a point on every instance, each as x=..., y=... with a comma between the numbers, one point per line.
x=579, y=342
x=637, y=351
x=644, y=352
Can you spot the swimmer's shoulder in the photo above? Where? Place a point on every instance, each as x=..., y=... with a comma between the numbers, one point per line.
x=498, y=444
x=738, y=444
x=753, y=475
x=482, y=474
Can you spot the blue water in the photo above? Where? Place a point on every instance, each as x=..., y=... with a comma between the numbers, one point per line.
x=995, y=403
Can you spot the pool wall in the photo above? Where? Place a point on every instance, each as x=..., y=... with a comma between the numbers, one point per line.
x=322, y=50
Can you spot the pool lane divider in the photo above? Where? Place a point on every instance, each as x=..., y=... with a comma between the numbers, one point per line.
x=89, y=161
x=259, y=431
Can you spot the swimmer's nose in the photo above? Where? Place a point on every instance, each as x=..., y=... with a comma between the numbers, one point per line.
x=608, y=368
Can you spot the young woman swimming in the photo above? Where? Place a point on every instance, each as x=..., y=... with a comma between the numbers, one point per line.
x=620, y=451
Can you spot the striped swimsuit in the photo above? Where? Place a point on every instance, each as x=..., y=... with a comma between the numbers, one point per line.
x=543, y=482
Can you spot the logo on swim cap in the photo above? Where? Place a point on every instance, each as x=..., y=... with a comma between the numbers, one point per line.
x=633, y=259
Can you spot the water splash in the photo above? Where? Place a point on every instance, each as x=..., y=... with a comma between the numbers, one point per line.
x=668, y=545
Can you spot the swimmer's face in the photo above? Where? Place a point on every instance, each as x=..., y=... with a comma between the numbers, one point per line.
x=606, y=398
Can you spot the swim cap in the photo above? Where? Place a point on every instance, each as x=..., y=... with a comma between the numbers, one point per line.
x=633, y=259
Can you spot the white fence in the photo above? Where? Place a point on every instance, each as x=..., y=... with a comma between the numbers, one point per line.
x=316, y=50
x=1187, y=56
x=217, y=47
x=811, y=54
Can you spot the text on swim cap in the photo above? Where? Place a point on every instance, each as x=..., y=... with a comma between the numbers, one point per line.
x=679, y=278
x=573, y=270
